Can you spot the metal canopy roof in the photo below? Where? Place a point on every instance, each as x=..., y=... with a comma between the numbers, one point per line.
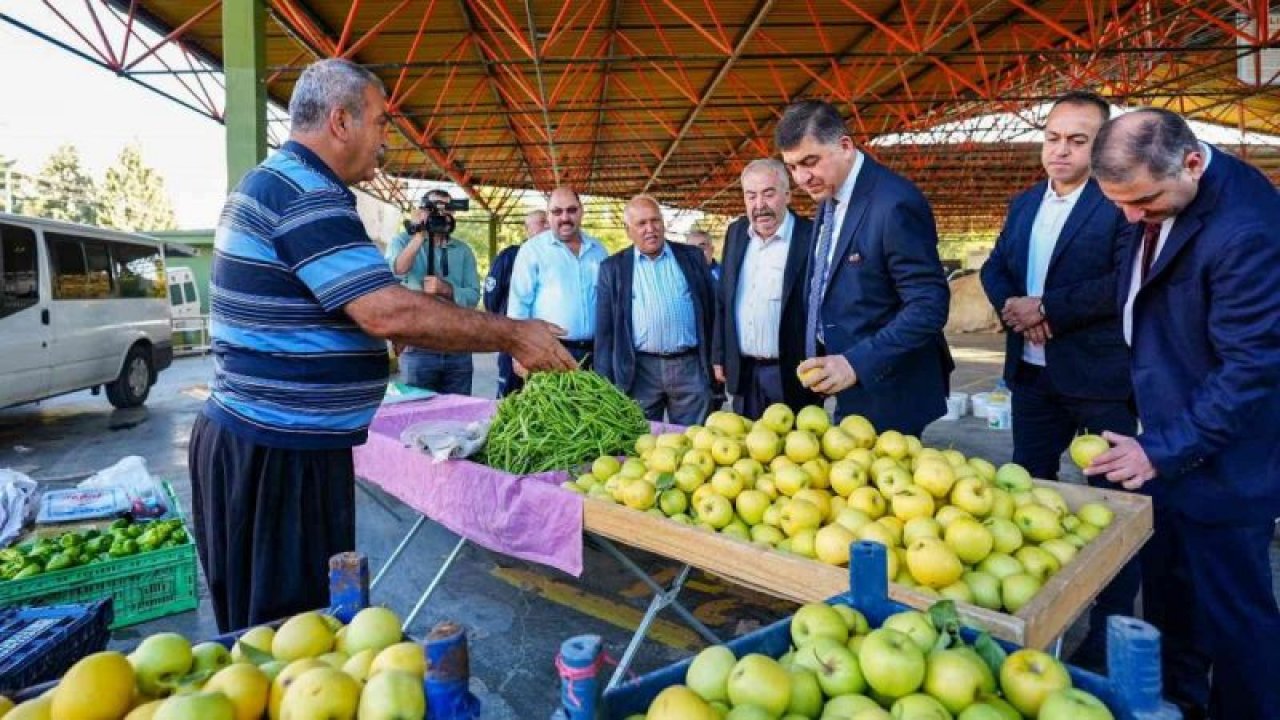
x=673, y=97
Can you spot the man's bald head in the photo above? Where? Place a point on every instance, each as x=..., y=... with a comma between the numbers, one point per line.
x=645, y=226
x=1149, y=164
x=535, y=222
x=565, y=214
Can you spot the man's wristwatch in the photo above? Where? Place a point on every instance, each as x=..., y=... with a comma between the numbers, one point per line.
x=1040, y=307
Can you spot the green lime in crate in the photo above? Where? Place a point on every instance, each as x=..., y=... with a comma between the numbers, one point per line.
x=145, y=580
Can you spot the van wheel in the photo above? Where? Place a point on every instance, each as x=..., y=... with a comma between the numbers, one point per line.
x=133, y=385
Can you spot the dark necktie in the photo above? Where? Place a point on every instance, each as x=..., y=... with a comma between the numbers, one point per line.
x=1150, y=236
x=818, y=280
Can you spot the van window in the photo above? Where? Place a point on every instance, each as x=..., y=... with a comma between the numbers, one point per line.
x=190, y=288
x=19, y=275
x=139, y=269
x=175, y=295
x=73, y=277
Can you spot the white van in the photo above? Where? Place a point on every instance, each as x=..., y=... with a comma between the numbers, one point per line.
x=80, y=307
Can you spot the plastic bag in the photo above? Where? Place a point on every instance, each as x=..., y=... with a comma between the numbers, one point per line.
x=80, y=504
x=16, y=493
x=446, y=439
x=145, y=494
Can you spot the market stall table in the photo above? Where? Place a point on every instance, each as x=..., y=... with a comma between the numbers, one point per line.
x=528, y=517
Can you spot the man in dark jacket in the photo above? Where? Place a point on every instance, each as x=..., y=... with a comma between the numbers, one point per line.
x=497, y=286
x=653, y=320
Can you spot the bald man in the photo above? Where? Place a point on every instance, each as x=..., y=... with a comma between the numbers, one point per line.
x=654, y=320
x=554, y=276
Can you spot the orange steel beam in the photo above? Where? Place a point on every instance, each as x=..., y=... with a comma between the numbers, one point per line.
x=542, y=91
x=375, y=31
x=605, y=76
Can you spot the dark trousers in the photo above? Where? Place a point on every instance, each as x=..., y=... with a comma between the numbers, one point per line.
x=1044, y=423
x=508, y=380
x=439, y=372
x=1208, y=589
x=675, y=388
x=761, y=383
x=266, y=522
x=582, y=350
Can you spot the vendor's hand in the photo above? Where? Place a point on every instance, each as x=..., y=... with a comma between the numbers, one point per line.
x=433, y=285
x=535, y=345
x=718, y=371
x=827, y=375
x=1021, y=313
x=1125, y=463
x=1039, y=334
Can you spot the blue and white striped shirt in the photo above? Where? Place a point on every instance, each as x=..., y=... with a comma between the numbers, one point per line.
x=662, y=316
x=550, y=283
x=291, y=369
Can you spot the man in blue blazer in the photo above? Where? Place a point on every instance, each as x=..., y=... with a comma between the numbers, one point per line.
x=1052, y=277
x=1200, y=299
x=864, y=321
x=653, y=320
x=764, y=252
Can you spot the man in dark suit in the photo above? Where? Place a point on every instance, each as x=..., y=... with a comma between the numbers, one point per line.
x=653, y=320
x=864, y=323
x=762, y=249
x=1052, y=276
x=1200, y=299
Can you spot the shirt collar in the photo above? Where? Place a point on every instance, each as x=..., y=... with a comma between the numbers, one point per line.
x=1071, y=197
x=308, y=157
x=846, y=188
x=587, y=240
x=664, y=253
x=784, y=230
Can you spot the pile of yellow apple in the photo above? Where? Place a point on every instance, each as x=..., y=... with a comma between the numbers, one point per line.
x=840, y=668
x=957, y=527
x=312, y=667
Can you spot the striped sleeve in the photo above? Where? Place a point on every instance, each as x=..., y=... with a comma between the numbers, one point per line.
x=322, y=241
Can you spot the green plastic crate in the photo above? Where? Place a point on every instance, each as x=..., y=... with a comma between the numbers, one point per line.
x=143, y=587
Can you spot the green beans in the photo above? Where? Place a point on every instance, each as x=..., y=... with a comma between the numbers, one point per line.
x=560, y=420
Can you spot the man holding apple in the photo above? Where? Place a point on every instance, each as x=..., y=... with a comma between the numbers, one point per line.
x=1199, y=294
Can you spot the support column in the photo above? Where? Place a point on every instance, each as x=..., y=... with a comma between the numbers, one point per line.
x=244, y=43
x=493, y=237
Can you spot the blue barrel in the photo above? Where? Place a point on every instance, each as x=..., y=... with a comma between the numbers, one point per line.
x=449, y=674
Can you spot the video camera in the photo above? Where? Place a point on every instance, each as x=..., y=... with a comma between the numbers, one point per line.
x=439, y=220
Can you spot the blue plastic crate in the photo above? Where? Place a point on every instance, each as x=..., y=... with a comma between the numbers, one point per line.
x=1132, y=688
x=38, y=644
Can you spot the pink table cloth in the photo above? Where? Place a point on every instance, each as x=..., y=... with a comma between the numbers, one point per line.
x=529, y=517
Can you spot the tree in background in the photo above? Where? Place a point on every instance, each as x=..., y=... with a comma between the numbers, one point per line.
x=62, y=191
x=134, y=196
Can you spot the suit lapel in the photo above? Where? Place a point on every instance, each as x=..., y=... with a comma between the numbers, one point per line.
x=859, y=199
x=735, y=253
x=1090, y=197
x=1023, y=223
x=1190, y=221
x=798, y=253
x=626, y=286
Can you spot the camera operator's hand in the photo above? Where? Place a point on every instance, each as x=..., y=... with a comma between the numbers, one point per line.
x=535, y=345
x=439, y=287
x=419, y=217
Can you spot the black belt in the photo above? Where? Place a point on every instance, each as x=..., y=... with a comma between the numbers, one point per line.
x=579, y=344
x=761, y=362
x=668, y=356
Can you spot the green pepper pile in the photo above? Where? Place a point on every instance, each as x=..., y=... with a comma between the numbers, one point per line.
x=560, y=420
x=73, y=549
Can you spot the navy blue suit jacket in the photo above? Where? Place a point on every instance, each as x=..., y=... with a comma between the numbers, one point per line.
x=615, y=354
x=726, y=348
x=1087, y=356
x=885, y=306
x=1206, y=350
x=497, y=286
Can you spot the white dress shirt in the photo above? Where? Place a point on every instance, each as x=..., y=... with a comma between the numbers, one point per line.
x=1135, y=279
x=1050, y=219
x=842, y=204
x=758, y=305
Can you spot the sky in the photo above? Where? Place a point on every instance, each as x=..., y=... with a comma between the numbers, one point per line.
x=50, y=97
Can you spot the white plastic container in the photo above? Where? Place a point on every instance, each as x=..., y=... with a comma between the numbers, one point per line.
x=999, y=415
x=957, y=406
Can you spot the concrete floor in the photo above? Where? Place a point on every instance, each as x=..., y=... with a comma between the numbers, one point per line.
x=516, y=613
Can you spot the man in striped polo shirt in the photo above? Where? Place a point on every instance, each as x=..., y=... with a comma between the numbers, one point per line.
x=302, y=304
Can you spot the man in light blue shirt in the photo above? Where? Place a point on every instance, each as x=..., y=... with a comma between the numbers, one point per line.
x=554, y=277
x=654, y=320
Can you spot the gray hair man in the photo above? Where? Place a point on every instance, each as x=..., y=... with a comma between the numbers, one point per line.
x=303, y=304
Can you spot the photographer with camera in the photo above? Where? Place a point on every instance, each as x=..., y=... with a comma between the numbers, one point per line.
x=425, y=257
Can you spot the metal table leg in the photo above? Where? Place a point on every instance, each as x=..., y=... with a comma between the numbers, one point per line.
x=669, y=594
x=435, y=581
x=660, y=599
x=399, y=549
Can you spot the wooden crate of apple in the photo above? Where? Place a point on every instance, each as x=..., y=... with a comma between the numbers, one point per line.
x=840, y=668
x=957, y=527
x=311, y=667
